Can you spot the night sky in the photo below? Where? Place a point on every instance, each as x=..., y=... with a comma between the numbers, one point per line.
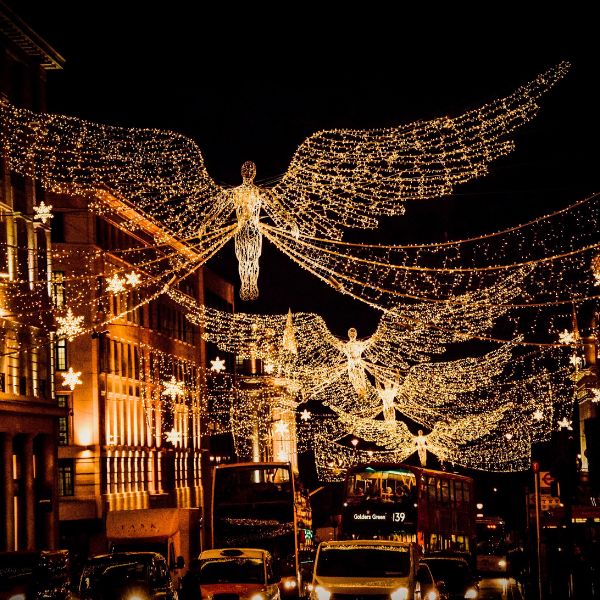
x=247, y=85
x=246, y=90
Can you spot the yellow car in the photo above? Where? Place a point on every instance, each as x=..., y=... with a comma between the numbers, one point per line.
x=244, y=572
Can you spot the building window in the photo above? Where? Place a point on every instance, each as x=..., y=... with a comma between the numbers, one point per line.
x=60, y=354
x=2, y=382
x=58, y=227
x=66, y=477
x=58, y=289
x=63, y=422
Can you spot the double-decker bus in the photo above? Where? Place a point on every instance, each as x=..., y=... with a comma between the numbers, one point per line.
x=263, y=505
x=406, y=503
x=491, y=551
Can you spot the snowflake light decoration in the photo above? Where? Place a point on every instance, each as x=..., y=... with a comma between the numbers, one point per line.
x=305, y=415
x=538, y=415
x=132, y=278
x=217, y=365
x=173, y=388
x=595, y=394
x=566, y=337
x=173, y=436
x=576, y=361
x=281, y=427
x=71, y=378
x=115, y=284
x=69, y=326
x=43, y=212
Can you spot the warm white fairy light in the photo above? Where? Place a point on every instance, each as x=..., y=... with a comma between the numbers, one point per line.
x=69, y=326
x=71, y=378
x=43, y=212
x=217, y=365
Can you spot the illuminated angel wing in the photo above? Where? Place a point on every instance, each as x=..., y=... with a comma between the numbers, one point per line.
x=347, y=177
x=468, y=428
x=157, y=171
x=386, y=434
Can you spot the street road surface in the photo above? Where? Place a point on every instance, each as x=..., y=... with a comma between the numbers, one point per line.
x=499, y=588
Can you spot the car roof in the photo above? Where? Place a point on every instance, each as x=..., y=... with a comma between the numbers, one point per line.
x=444, y=558
x=342, y=543
x=126, y=556
x=235, y=553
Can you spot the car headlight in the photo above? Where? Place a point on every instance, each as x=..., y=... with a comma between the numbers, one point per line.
x=321, y=593
x=257, y=596
x=431, y=595
x=290, y=584
x=471, y=593
x=399, y=594
x=502, y=563
x=17, y=597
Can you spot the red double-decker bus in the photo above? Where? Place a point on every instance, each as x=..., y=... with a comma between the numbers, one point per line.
x=406, y=503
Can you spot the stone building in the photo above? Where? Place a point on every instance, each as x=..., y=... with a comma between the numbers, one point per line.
x=28, y=408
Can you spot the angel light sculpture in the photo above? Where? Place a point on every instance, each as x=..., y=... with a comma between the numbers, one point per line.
x=342, y=178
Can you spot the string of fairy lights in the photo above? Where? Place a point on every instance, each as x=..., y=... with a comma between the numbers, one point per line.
x=475, y=356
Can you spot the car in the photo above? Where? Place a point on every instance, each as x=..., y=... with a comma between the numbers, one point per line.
x=453, y=576
x=240, y=573
x=126, y=576
x=378, y=569
x=37, y=574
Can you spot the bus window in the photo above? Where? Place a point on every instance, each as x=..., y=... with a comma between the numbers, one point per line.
x=432, y=487
x=444, y=489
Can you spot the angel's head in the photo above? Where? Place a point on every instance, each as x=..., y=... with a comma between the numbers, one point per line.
x=248, y=172
x=352, y=333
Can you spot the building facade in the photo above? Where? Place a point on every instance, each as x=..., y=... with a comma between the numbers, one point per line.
x=28, y=408
x=132, y=434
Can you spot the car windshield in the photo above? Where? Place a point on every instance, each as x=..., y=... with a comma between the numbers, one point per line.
x=111, y=572
x=232, y=570
x=454, y=573
x=363, y=561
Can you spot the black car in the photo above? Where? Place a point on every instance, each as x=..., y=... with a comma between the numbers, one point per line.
x=125, y=576
x=33, y=575
x=453, y=576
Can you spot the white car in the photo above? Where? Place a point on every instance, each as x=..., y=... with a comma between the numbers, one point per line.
x=381, y=568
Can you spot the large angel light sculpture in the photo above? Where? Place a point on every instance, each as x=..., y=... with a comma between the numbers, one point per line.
x=342, y=178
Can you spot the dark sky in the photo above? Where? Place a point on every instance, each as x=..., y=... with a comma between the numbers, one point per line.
x=252, y=86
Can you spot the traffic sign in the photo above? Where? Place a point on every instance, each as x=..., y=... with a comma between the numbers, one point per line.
x=546, y=480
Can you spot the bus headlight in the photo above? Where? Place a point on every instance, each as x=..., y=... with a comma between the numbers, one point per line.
x=431, y=595
x=399, y=594
x=17, y=597
x=471, y=593
x=258, y=596
x=320, y=593
x=502, y=563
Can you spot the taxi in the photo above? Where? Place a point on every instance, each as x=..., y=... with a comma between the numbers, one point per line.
x=244, y=573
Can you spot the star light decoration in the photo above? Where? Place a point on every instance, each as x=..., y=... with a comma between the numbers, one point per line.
x=564, y=423
x=173, y=388
x=71, y=378
x=43, y=212
x=538, y=415
x=69, y=326
x=337, y=179
x=217, y=365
